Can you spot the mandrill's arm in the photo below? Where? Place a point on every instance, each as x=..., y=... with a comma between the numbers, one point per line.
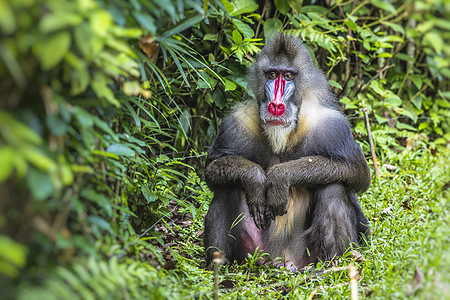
x=332, y=157
x=312, y=171
x=238, y=171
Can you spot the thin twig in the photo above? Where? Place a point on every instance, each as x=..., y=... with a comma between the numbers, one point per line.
x=372, y=147
x=260, y=19
x=218, y=260
x=353, y=273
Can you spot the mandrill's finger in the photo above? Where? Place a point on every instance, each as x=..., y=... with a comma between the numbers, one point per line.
x=257, y=212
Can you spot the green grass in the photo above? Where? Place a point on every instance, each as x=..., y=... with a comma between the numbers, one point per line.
x=408, y=210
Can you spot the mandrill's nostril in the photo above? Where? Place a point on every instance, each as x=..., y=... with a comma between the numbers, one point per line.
x=276, y=109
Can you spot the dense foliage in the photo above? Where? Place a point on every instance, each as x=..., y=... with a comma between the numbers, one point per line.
x=107, y=107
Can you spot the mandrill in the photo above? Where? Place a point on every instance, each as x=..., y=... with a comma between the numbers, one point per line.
x=287, y=163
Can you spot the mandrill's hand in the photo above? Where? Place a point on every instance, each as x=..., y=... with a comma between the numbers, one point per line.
x=254, y=188
x=277, y=192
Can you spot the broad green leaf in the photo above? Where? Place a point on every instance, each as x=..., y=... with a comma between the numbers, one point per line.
x=438, y=130
x=242, y=7
x=392, y=38
x=38, y=159
x=445, y=94
x=408, y=113
x=441, y=23
x=396, y=27
x=374, y=85
x=246, y=30
x=6, y=162
x=84, y=118
x=404, y=56
x=417, y=80
x=296, y=5
x=39, y=183
x=56, y=21
x=384, y=54
x=380, y=119
x=384, y=5
x=423, y=126
x=228, y=6
x=66, y=174
x=272, y=27
x=282, y=6
x=210, y=37
x=434, y=39
x=126, y=32
x=101, y=223
x=87, y=135
x=12, y=256
x=100, y=21
x=393, y=100
x=98, y=198
x=120, y=149
x=149, y=195
x=53, y=50
x=7, y=18
x=103, y=153
x=145, y=20
x=352, y=25
x=417, y=101
x=443, y=103
x=237, y=37
x=401, y=125
x=229, y=85
x=101, y=89
x=321, y=10
x=56, y=125
x=335, y=84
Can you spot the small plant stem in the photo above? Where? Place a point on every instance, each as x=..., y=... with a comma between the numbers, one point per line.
x=217, y=260
x=372, y=147
x=353, y=273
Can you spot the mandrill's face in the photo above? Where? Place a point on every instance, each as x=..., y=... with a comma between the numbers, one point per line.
x=279, y=90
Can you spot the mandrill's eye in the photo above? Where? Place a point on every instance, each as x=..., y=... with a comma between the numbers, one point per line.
x=273, y=75
x=288, y=76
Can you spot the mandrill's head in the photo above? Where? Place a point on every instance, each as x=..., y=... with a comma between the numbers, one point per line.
x=280, y=78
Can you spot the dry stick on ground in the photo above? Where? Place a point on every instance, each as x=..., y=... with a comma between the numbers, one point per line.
x=217, y=261
x=353, y=273
x=372, y=147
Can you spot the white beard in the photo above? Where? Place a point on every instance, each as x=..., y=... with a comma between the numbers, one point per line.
x=278, y=136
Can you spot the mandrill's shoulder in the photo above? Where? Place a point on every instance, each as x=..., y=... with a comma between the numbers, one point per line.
x=246, y=115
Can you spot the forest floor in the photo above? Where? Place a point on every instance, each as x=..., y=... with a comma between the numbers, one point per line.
x=406, y=256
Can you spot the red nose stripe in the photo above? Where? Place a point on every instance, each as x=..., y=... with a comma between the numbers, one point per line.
x=276, y=107
x=279, y=88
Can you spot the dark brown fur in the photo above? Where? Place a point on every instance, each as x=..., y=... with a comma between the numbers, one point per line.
x=294, y=185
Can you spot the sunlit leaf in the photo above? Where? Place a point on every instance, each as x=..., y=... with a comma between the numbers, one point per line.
x=39, y=183
x=384, y=5
x=271, y=27
x=434, y=39
x=55, y=21
x=335, y=84
x=229, y=85
x=282, y=6
x=6, y=161
x=245, y=29
x=53, y=50
x=120, y=149
x=237, y=37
